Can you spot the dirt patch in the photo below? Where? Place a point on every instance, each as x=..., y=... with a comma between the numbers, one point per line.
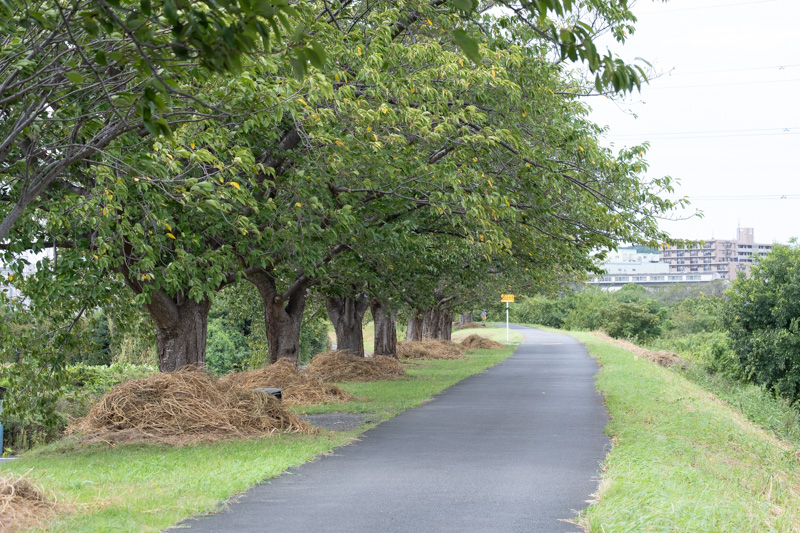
x=429, y=350
x=341, y=421
x=184, y=407
x=299, y=388
x=661, y=357
x=22, y=505
x=470, y=325
x=344, y=366
x=474, y=342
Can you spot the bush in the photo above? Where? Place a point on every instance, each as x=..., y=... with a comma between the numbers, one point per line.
x=81, y=385
x=631, y=320
x=762, y=318
x=586, y=310
x=542, y=310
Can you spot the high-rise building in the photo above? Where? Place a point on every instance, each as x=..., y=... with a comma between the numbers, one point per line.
x=725, y=258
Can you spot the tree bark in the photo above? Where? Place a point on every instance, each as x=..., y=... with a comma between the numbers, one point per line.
x=181, y=329
x=385, y=329
x=414, y=331
x=347, y=316
x=283, y=315
x=430, y=323
x=181, y=325
x=445, y=329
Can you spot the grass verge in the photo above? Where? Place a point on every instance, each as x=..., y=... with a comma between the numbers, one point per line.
x=682, y=459
x=149, y=487
x=495, y=333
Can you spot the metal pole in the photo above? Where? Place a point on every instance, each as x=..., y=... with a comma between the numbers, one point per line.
x=506, y=321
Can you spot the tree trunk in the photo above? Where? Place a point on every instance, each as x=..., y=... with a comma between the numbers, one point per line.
x=414, y=331
x=465, y=318
x=282, y=316
x=347, y=316
x=181, y=329
x=385, y=329
x=430, y=323
x=445, y=329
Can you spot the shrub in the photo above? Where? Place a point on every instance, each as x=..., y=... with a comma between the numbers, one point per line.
x=542, y=310
x=762, y=318
x=631, y=320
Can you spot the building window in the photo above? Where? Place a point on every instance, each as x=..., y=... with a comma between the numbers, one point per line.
x=622, y=278
x=693, y=278
x=639, y=278
x=674, y=278
x=656, y=278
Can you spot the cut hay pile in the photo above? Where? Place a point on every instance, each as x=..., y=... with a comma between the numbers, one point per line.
x=470, y=325
x=299, y=388
x=344, y=366
x=429, y=350
x=184, y=407
x=22, y=506
x=474, y=342
x=661, y=357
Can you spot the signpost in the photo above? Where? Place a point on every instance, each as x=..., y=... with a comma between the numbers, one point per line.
x=507, y=298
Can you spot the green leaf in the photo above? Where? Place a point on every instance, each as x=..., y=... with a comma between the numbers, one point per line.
x=467, y=6
x=467, y=44
x=75, y=77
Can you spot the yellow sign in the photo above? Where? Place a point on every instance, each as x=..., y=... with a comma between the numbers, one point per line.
x=507, y=298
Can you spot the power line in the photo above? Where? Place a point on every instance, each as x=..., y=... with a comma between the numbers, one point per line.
x=726, y=84
x=744, y=69
x=736, y=4
x=751, y=197
x=720, y=134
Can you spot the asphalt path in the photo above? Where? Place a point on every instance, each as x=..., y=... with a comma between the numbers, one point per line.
x=514, y=449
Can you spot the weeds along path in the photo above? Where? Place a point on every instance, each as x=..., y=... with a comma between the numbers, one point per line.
x=516, y=448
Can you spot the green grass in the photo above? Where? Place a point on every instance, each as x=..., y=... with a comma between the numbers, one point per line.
x=497, y=334
x=684, y=461
x=149, y=487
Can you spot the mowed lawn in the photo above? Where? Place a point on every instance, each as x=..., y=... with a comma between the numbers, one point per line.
x=140, y=487
x=682, y=460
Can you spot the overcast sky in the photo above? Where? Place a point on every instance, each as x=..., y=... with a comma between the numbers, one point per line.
x=724, y=116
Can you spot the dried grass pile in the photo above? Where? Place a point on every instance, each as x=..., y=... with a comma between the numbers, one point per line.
x=299, y=388
x=429, y=350
x=470, y=325
x=661, y=357
x=183, y=407
x=474, y=342
x=22, y=506
x=344, y=366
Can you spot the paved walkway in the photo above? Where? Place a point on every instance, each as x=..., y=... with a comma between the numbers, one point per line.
x=514, y=449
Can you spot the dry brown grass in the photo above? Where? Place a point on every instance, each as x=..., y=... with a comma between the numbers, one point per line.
x=22, y=506
x=429, y=350
x=184, y=407
x=661, y=357
x=344, y=366
x=470, y=325
x=474, y=342
x=299, y=388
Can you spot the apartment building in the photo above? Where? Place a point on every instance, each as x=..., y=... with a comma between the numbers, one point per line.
x=629, y=265
x=724, y=258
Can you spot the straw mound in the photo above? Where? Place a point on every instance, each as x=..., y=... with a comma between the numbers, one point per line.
x=21, y=505
x=429, y=350
x=661, y=357
x=470, y=325
x=474, y=342
x=182, y=407
x=299, y=388
x=344, y=366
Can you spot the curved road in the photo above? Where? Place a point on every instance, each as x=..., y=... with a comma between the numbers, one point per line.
x=516, y=448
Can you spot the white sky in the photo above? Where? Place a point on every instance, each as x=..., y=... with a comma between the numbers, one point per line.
x=724, y=117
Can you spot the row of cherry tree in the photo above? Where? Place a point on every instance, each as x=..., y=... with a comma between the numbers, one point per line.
x=389, y=155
